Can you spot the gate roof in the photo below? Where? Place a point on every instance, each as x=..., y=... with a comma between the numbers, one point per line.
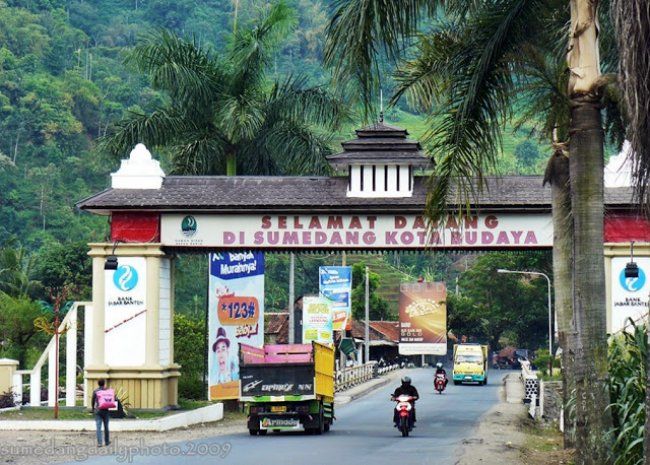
x=311, y=194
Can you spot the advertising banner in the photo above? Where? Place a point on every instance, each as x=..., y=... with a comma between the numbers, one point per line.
x=266, y=380
x=125, y=313
x=423, y=319
x=316, y=320
x=629, y=296
x=335, y=285
x=258, y=231
x=236, y=314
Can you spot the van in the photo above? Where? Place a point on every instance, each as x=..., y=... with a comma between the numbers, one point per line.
x=470, y=364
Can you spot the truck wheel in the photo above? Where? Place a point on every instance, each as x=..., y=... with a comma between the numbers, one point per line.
x=253, y=432
x=456, y=383
x=262, y=432
x=326, y=426
x=485, y=381
x=321, y=424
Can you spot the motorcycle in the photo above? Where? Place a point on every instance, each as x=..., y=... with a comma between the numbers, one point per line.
x=440, y=382
x=404, y=409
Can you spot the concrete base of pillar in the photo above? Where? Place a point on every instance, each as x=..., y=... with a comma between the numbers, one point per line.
x=145, y=388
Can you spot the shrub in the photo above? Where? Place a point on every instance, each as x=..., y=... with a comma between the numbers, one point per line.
x=189, y=352
x=7, y=399
x=627, y=383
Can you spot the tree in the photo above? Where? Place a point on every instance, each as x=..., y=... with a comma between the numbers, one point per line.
x=61, y=265
x=222, y=113
x=473, y=65
x=17, y=331
x=16, y=272
x=527, y=155
x=378, y=307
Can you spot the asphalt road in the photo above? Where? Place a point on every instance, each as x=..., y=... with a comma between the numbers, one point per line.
x=363, y=433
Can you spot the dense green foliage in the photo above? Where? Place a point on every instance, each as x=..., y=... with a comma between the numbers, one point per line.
x=628, y=354
x=502, y=308
x=189, y=342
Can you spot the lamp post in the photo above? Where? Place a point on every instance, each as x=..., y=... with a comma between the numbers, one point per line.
x=550, y=311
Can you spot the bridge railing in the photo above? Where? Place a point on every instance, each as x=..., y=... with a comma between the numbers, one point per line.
x=352, y=376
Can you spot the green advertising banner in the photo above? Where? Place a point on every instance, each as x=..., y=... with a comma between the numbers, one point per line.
x=316, y=320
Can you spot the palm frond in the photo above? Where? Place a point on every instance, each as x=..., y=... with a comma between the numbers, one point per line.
x=203, y=153
x=290, y=148
x=253, y=47
x=360, y=30
x=187, y=73
x=465, y=136
x=632, y=21
x=292, y=99
x=162, y=127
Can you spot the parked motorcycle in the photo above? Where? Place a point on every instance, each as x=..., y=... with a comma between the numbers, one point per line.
x=440, y=382
x=404, y=409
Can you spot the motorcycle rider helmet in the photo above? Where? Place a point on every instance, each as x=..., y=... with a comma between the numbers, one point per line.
x=438, y=365
x=406, y=380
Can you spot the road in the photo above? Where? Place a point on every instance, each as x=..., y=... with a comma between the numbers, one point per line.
x=363, y=432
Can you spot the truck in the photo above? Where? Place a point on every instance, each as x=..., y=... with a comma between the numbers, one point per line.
x=287, y=387
x=470, y=364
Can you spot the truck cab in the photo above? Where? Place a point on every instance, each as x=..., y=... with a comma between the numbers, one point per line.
x=470, y=364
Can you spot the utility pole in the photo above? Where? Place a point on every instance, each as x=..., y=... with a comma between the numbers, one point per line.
x=290, y=304
x=367, y=335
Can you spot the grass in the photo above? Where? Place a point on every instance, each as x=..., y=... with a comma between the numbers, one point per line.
x=544, y=446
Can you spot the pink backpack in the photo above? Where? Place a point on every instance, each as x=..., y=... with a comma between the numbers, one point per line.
x=106, y=399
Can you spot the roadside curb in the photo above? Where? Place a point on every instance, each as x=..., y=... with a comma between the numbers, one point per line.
x=208, y=414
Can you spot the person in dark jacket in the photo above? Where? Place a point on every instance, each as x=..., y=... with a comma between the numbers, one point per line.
x=406, y=389
x=101, y=416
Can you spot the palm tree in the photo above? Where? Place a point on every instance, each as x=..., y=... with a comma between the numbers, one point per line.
x=477, y=64
x=632, y=20
x=222, y=112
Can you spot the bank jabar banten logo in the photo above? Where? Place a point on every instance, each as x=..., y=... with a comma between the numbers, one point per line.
x=125, y=278
x=188, y=226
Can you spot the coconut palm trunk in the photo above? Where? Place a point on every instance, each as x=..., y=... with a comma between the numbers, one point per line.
x=586, y=165
x=557, y=174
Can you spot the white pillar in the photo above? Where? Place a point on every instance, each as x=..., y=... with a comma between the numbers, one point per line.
x=51, y=377
x=71, y=360
x=88, y=344
x=35, y=387
x=17, y=387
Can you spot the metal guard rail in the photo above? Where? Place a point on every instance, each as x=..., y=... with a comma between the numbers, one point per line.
x=353, y=376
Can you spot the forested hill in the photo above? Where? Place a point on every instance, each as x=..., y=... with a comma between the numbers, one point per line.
x=63, y=82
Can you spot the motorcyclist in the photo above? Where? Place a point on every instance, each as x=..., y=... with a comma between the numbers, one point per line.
x=440, y=370
x=405, y=389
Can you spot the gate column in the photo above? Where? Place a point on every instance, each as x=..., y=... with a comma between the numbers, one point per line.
x=129, y=333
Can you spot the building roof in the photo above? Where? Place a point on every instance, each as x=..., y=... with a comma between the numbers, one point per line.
x=390, y=329
x=280, y=194
x=277, y=324
x=380, y=143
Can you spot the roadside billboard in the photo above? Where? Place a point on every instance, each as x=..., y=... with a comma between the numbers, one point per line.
x=316, y=320
x=423, y=318
x=335, y=285
x=629, y=296
x=236, y=314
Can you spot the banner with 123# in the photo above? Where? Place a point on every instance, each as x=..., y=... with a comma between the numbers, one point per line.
x=236, y=314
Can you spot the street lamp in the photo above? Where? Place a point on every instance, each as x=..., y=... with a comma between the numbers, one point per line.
x=550, y=311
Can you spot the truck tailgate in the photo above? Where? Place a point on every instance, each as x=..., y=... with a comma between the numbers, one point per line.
x=261, y=382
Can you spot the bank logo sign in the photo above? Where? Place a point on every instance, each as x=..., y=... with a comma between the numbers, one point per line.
x=125, y=278
x=188, y=226
x=632, y=284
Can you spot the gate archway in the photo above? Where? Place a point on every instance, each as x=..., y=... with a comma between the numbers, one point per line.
x=374, y=202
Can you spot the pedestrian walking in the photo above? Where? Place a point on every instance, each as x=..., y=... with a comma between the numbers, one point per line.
x=102, y=401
